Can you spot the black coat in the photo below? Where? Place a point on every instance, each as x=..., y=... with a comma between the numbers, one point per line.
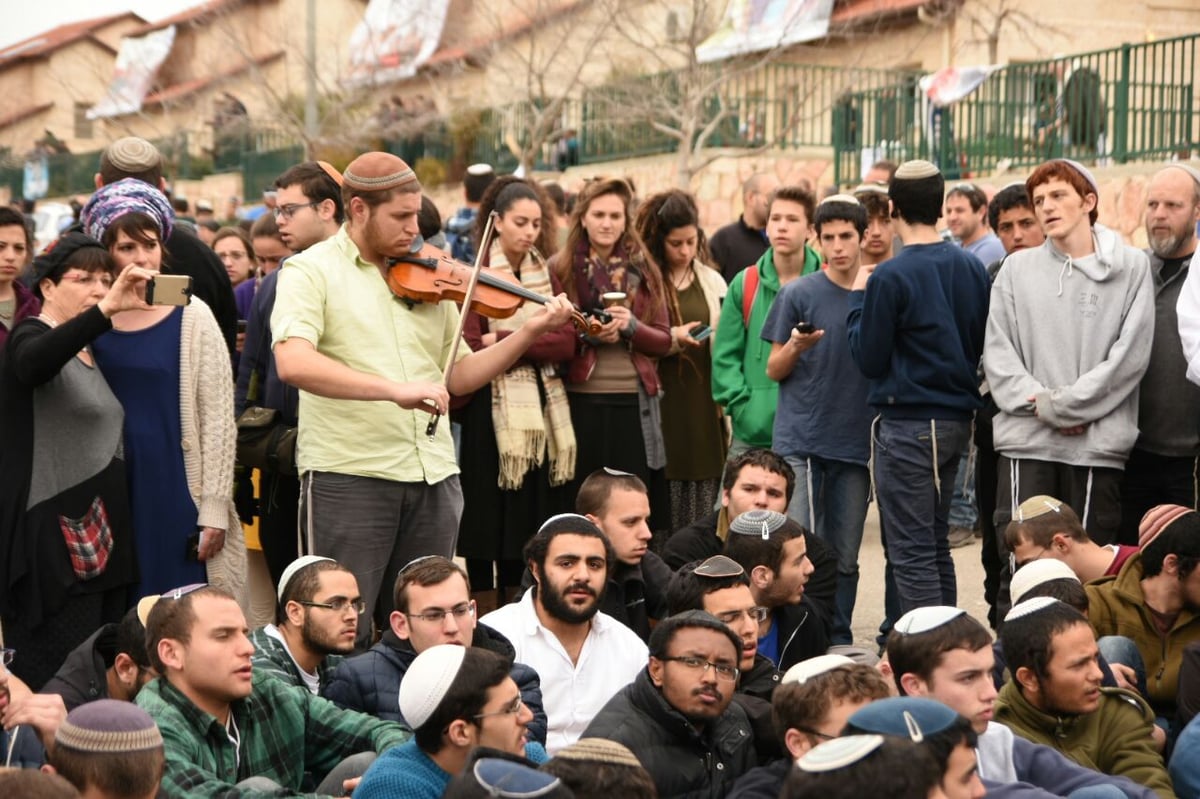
x=682, y=761
x=83, y=676
x=370, y=682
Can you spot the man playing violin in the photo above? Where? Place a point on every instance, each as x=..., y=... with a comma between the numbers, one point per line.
x=377, y=491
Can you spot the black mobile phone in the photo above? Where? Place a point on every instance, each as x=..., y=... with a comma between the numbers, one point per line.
x=192, y=552
x=700, y=333
x=804, y=328
x=241, y=326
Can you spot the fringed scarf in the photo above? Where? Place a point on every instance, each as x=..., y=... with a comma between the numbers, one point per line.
x=523, y=430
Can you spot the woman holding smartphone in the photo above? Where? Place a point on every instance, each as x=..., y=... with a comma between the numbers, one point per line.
x=612, y=380
x=167, y=364
x=693, y=432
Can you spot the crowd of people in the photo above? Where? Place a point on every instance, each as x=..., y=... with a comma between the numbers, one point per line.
x=593, y=524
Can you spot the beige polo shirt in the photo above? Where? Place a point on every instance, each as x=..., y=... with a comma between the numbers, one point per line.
x=329, y=296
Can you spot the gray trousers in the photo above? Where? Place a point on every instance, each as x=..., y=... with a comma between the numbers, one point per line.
x=351, y=767
x=374, y=527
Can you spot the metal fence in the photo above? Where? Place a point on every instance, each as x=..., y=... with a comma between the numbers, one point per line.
x=1108, y=106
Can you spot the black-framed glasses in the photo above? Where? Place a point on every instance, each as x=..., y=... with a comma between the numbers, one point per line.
x=1015, y=565
x=758, y=613
x=510, y=709
x=809, y=731
x=7, y=655
x=289, y=210
x=724, y=672
x=438, y=615
x=337, y=604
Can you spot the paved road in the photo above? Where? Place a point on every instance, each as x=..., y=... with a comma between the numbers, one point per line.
x=869, y=610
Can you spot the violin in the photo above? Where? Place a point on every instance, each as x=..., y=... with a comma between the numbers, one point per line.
x=432, y=275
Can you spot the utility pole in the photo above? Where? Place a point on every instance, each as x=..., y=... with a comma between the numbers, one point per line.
x=310, y=95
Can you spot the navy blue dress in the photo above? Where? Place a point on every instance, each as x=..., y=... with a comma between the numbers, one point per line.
x=142, y=368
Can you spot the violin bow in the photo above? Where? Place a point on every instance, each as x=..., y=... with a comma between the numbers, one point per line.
x=485, y=242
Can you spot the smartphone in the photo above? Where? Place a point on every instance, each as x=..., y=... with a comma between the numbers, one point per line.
x=804, y=328
x=192, y=552
x=700, y=333
x=169, y=290
x=241, y=326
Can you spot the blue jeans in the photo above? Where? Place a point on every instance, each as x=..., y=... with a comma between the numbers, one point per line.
x=914, y=510
x=836, y=510
x=963, y=511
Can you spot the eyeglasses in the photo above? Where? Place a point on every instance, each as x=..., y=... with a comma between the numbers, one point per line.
x=1014, y=565
x=729, y=673
x=510, y=709
x=820, y=736
x=7, y=655
x=289, y=210
x=438, y=615
x=757, y=613
x=337, y=604
x=91, y=279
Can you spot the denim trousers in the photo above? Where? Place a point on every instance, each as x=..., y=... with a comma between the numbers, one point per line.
x=831, y=500
x=963, y=510
x=916, y=464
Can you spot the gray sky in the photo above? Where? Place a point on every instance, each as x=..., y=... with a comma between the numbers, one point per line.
x=37, y=17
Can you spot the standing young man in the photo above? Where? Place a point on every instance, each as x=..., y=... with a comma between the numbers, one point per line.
x=916, y=331
x=739, y=379
x=378, y=491
x=1068, y=339
x=822, y=422
x=966, y=212
x=741, y=243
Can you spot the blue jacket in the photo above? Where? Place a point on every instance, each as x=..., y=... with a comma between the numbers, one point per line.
x=258, y=383
x=917, y=332
x=27, y=751
x=370, y=682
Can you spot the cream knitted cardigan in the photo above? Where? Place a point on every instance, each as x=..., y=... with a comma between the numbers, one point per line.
x=209, y=441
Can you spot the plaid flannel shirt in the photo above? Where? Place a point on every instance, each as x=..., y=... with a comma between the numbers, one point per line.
x=271, y=656
x=284, y=734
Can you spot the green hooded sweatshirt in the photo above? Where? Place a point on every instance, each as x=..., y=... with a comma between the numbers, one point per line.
x=739, y=371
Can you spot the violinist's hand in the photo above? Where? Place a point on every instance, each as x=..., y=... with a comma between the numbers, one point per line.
x=428, y=397
x=128, y=291
x=555, y=313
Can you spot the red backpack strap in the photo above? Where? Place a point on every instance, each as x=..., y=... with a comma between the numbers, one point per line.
x=749, y=292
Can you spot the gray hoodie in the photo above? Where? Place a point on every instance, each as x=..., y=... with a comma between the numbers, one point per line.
x=1076, y=336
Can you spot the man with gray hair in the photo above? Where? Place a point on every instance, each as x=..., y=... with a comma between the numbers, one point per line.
x=741, y=243
x=1161, y=466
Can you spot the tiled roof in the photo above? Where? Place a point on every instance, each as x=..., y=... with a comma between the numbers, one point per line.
x=47, y=42
x=178, y=90
x=857, y=11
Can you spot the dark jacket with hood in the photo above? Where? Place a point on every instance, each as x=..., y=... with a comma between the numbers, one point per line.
x=682, y=761
x=370, y=682
x=83, y=676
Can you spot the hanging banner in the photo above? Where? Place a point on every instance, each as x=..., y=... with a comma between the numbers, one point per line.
x=137, y=63
x=751, y=26
x=951, y=84
x=394, y=39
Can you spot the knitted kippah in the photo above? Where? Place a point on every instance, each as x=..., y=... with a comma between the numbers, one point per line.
x=1030, y=606
x=1035, y=573
x=108, y=726
x=509, y=780
x=922, y=620
x=1158, y=519
x=839, y=753
x=805, y=670
x=761, y=523
x=599, y=750
x=295, y=566
x=329, y=169
x=379, y=172
x=1037, y=506
x=427, y=680
x=911, y=717
x=126, y=196
x=133, y=154
x=841, y=198
x=871, y=188
x=1084, y=171
x=915, y=170
x=718, y=567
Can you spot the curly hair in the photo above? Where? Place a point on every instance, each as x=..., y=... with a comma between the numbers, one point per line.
x=657, y=216
x=500, y=196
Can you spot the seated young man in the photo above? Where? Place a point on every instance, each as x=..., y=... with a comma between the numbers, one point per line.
x=110, y=664
x=944, y=654
x=1045, y=527
x=456, y=698
x=109, y=749
x=230, y=731
x=882, y=767
x=811, y=704
x=1055, y=698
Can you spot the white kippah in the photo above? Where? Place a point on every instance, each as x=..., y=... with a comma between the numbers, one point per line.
x=1191, y=171
x=1031, y=606
x=849, y=199
x=1035, y=573
x=915, y=170
x=480, y=169
x=922, y=620
x=427, y=680
x=805, y=670
x=871, y=188
x=295, y=566
x=839, y=753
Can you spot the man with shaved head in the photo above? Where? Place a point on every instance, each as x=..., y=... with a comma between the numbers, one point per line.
x=741, y=243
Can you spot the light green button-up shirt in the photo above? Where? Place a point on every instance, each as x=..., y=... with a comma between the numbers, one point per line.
x=329, y=296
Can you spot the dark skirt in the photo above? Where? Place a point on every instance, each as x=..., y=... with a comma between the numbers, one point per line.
x=608, y=431
x=496, y=523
